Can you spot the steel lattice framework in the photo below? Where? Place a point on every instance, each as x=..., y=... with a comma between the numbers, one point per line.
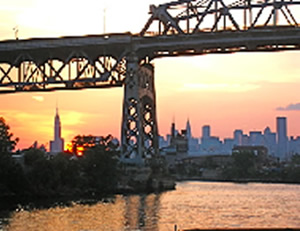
x=184, y=27
x=139, y=124
x=194, y=16
x=63, y=63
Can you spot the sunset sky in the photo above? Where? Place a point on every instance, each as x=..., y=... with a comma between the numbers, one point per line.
x=229, y=91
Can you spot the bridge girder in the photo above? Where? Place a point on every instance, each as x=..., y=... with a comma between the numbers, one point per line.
x=62, y=64
x=112, y=60
x=78, y=73
x=194, y=16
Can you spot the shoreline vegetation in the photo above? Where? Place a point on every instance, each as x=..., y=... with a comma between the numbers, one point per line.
x=98, y=173
x=34, y=174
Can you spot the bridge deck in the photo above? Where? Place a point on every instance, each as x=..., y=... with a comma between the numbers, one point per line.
x=100, y=60
x=40, y=50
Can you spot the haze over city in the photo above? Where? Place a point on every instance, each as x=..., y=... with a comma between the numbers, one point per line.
x=172, y=120
x=231, y=91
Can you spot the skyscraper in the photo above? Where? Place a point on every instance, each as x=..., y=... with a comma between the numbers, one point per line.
x=205, y=132
x=270, y=141
x=282, y=140
x=238, y=137
x=57, y=145
x=188, y=129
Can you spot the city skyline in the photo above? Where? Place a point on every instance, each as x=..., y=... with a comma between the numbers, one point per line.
x=277, y=143
x=245, y=90
x=206, y=131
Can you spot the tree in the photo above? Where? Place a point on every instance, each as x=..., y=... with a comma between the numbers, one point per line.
x=42, y=177
x=82, y=143
x=32, y=155
x=243, y=165
x=7, y=143
x=291, y=173
x=12, y=179
x=99, y=161
x=68, y=171
x=295, y=160
x=100, y=168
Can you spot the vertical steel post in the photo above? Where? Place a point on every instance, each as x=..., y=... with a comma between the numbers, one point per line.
x=188, y=18
x=245, y=17
x=250, y=13
x=275, y=16
x=216, y=14
x=139, y=125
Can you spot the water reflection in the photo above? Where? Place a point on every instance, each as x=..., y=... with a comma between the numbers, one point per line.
x=192, y=205
x=121, y=213
x=141, y=212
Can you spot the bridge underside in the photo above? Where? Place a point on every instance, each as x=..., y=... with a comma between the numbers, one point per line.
x=123, y=60
x=113, y=60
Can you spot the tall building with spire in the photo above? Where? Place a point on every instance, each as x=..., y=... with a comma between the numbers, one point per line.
x=57, y=145
x=188, y=129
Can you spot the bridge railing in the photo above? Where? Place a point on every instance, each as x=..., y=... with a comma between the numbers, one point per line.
x=191, y=16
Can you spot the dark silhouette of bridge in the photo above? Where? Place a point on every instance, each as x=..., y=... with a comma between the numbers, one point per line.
x=183, y=27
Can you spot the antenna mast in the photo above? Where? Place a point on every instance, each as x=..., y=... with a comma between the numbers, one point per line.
x=104, y=20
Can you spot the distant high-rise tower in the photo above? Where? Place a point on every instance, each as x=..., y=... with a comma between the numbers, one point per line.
x=173, y=130
x=282, y=140
x=57, y=145
x=205, y=132
x=238, y=137
x=270, y=141
x=173, y=134
x=188, y=129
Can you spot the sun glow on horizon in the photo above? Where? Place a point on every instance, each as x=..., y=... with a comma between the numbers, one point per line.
x=229, y=91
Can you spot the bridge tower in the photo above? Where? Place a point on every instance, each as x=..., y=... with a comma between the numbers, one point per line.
x=139, y=125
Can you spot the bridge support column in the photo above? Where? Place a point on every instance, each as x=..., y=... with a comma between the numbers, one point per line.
x=139, y=125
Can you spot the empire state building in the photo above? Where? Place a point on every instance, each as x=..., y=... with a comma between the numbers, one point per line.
x=57, y=145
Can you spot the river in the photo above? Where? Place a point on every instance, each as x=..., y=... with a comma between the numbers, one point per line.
x=192, y=205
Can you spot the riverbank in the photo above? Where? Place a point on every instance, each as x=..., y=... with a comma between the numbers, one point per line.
x=134, y=181
x=241, y=229
x=237, y=180
x=11, y=201
x=193, y=205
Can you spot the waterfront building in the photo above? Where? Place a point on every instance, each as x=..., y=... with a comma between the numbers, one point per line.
x=57, y=145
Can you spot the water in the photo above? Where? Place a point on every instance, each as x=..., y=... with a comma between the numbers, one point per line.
x=191, y=205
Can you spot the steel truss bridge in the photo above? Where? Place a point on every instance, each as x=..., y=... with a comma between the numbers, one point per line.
x=184, y=27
